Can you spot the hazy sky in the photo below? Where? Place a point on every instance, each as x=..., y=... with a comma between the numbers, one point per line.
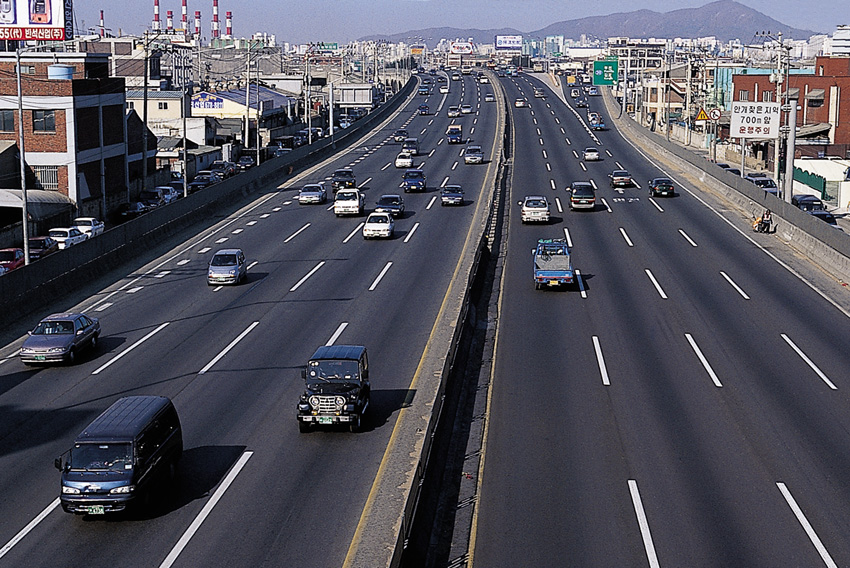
x=301, y=21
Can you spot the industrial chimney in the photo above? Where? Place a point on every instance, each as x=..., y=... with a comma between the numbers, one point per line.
x=228, y=22
x=198, y=24
x=169, y=20
x=215, y=23
x=155, y=24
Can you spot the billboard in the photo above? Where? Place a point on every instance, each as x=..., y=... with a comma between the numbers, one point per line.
x=513, y=42
x=44, y=20
x=417, y=50
x=754, y=120
x=461, y=47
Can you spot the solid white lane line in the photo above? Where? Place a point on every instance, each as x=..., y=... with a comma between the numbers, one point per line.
x=196, y=524
x=567, y=236
x=625, y=236
x=809, y=362
x=581, y=284
x=735, y=286
x=365, y=181
x=430, y=203
x=608, y=207
x=31, y=525
x=558, y=203
x=337, y=333
x=308, y=275
x=603, y=370
x=354, y=232
x=687, y=238
x=552, y=183
x=703, y=360
x=648, y=546
x=230, y=346
x=253, y=264
x=381, y=275
x=801, y=518
x=655, y=283
x=412, y=230
x=133, y=346
x=657, y=206
x=296, y=233
x=102, y=307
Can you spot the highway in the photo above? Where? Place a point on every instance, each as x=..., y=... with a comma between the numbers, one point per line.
x=684, y=406
x=251, y=490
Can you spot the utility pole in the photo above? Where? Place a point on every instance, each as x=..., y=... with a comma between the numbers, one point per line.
x=145, y=119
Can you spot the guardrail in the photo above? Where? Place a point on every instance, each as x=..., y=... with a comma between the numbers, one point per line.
x=25, y=291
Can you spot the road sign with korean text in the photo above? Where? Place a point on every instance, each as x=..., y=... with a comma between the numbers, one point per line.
x=605, y=72
x=754, y=120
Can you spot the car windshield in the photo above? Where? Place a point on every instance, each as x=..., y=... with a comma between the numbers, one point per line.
x=346, y=196
x=113, y=457
x=334, y=369
x=311, y=189
x=343, y=174
x=590, y=151
x=54, y=328
x=413, y=175
x=223, y=260
x=7, y=255
x=377, y=219
x=473, y=150
x=621, y=173
x=452, y=189
x=388, y=201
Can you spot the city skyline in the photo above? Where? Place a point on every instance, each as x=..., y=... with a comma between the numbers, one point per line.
x=302, y=21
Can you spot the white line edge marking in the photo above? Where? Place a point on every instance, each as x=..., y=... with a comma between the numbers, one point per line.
x=735, y=286
x=603, y=370
x=306, y=276
x=648, y=546
x=253, y=264
x=687, y=238
x=230, y=346
x=808, y=361
x=655, y=283
x=133, y=346
x=703, y=360
x=581, y=284
x=625, y=236
x=567, y=236
x=337, y=333
x=412, y=230
x=380, y=276
x=810, y=531
x=354, y=232
x=296, y=233
x=657, y=206
x=208, y=507
x=30, y=526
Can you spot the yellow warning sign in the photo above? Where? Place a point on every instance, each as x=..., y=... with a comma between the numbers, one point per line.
x=701, y=115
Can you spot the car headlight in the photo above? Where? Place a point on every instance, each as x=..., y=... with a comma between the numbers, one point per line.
x=123, y=490
x=232, y=272
x=70, y=490
x=340, y=400
x=56, y=350
x=314, y=401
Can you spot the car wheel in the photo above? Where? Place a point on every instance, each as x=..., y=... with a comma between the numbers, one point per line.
x=72, y=356
x=93, y=344
x=354, y=426
x=303, y=427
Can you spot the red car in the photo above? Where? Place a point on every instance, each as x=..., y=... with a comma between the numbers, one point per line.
x=11, y=258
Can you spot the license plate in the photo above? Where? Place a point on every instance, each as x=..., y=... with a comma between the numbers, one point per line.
x=95, y=510
x=553, y=282
x=325, y=420
x=40, y=357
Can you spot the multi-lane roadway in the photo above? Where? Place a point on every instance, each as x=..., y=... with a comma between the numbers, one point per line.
x=251, y=490
x=685, y=406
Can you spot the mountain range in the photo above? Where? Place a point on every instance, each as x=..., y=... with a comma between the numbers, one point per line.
x=724, y=19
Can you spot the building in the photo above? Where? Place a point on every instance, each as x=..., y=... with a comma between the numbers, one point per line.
x=841, y=41
x=75, y=138
x=275, y=109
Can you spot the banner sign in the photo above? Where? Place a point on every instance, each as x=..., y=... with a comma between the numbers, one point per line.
x=513, y=42
x=461, y=47
x=42, y=20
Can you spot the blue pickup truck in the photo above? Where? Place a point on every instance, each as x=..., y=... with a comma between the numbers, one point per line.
x=552, y=264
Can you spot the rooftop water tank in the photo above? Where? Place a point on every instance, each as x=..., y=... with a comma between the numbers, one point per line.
x=60, y=72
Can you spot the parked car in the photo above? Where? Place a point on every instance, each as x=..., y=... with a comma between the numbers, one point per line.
x=42, y=246
x=807, y=202
x=152, y=198
x=379, y=225
x=391, y=203
x=202, y=181
x=245, y=162
x=89, y=225
x=312, y=193
x=171, y=194
x=67, y=236
x=826, y=217
x=133, y=209
x=661, y=186
x=58, y=338
x=451, y=195
x=11, y=258
x=227, y=266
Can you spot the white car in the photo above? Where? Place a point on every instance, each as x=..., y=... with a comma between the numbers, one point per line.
x=312, y=193
x=378, y=225
x=67, y=236
x=489, y=98
x=453, y=112
x=444, y=89
x=591, y=154
x=169, y=193
x=535, y=208
x=465, y=109
x=404, y=160
x=483, y=79
x=89, y=226
x=520, y=103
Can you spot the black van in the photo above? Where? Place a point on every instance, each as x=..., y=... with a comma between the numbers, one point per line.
x=120, y=455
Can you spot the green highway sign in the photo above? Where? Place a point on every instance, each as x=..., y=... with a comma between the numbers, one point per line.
x=605, y=72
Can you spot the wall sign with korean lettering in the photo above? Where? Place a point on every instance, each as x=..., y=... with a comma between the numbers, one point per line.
x=754, y=120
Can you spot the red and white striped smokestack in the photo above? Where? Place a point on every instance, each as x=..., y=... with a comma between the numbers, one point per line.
x=102, y=27
x=185, y=19
x=197, y=23
x=155, y=22
x=228, y=22
x=169, y=20
x=215, y=28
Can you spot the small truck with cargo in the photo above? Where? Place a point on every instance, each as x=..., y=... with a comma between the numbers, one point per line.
x=552, y=264
x=454, y=134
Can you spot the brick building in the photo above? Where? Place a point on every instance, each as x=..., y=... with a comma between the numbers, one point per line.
x=75, y=136
x=823, y=96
